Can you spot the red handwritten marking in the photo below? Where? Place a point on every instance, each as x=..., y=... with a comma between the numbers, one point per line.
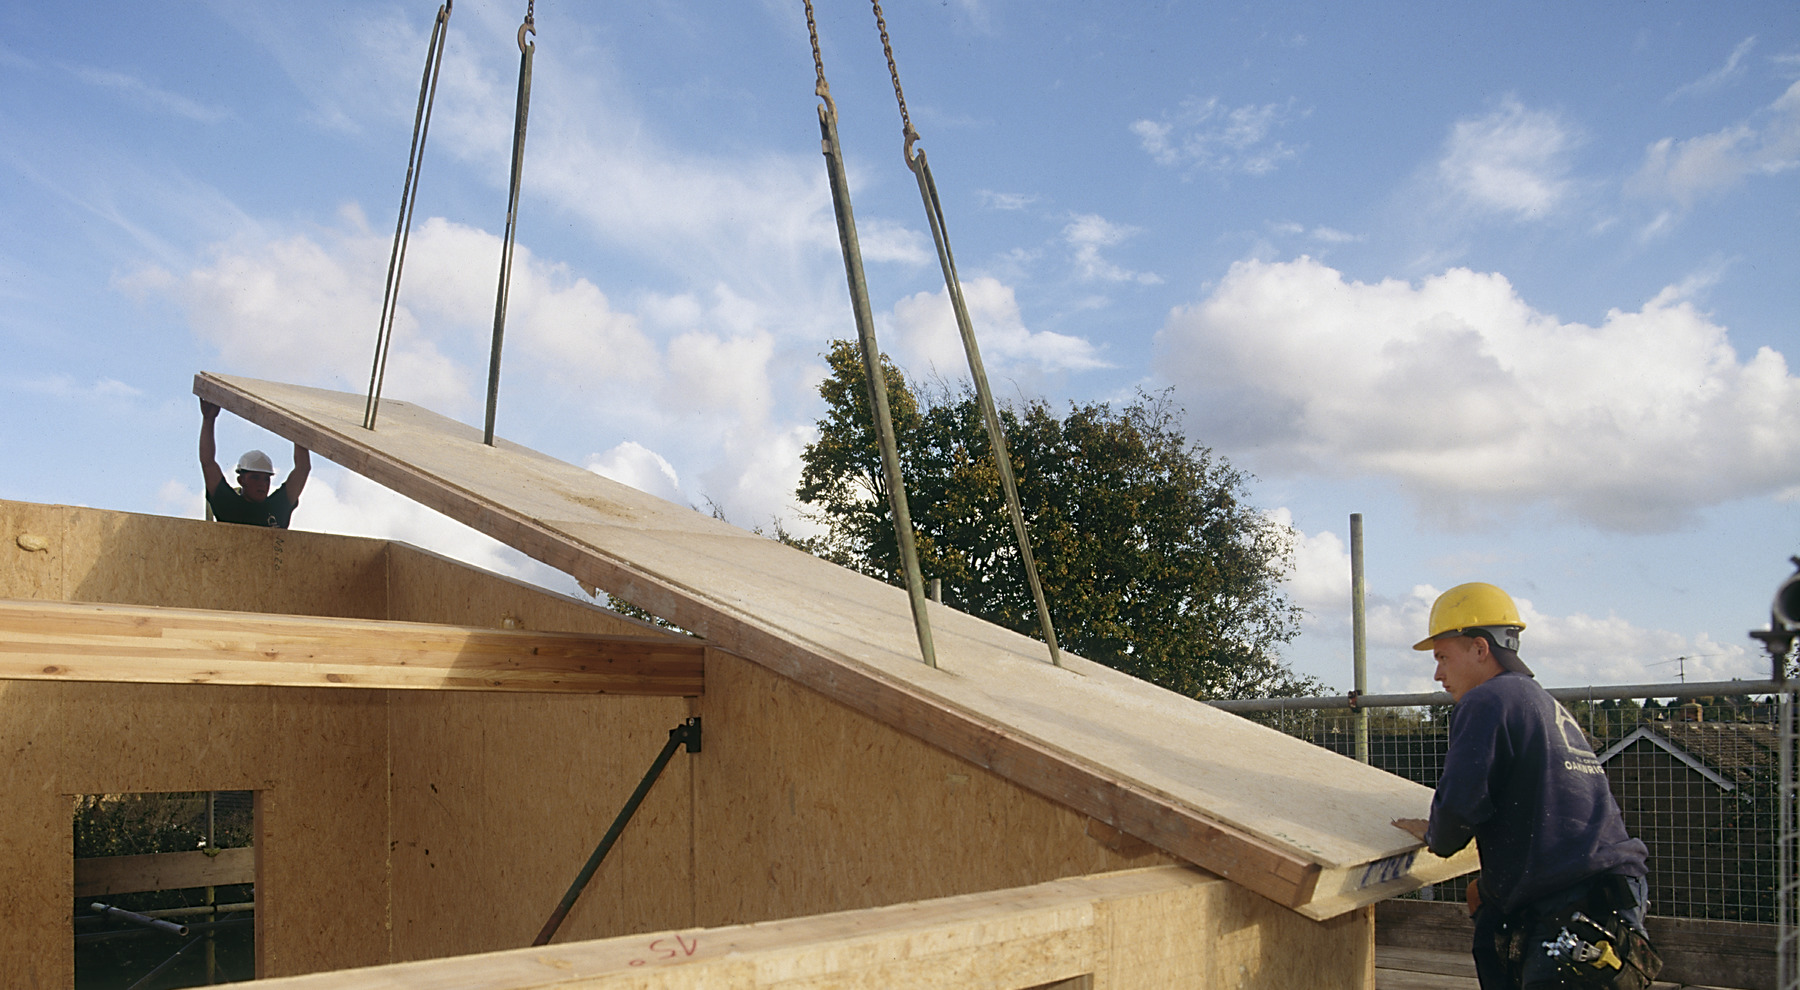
x=683, y=947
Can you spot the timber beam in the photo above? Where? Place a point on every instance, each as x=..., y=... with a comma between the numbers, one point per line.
x=64, y=641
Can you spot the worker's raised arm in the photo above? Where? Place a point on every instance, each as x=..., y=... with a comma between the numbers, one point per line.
x=209, y=448
x=302, y=470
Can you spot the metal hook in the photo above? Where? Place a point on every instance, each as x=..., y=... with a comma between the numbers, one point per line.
x=526, y=28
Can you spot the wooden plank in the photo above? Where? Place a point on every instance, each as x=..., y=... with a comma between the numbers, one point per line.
x=146, y=644
x=1271, y=812
x=1106, y=927
x=164, y=871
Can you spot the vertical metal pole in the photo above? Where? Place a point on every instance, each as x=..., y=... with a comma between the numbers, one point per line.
x=212, y=898
x=1359, y=633
x=1787, y=968
x=937, y=590
x=871, y=355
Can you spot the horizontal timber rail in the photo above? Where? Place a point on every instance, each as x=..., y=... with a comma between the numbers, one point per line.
x=142, y=644
x=1609, y=692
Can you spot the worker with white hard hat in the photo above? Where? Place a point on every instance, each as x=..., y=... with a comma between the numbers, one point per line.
x=251, y=503
x=1562, y=893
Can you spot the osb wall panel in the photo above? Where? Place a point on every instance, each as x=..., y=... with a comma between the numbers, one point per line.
x=499, y=799
x=316, y=757
x=94, y=555
x=803, y=806
x=1222, y=935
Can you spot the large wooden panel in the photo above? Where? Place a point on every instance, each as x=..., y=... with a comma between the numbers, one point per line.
x=804, y=806
x=1271, y=812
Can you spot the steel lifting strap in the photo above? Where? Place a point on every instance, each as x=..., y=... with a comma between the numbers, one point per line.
x=390, y=301
x=934, y=214
x=521, y=110
x=871, y=351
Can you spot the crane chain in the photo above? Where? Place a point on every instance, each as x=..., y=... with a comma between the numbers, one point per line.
x=887, y=47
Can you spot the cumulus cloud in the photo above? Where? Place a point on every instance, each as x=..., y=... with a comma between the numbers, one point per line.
x=1563, y=650
x=305, y=307
x=1768, y=143
x=1465, y=394
x=926, y=337
x=1086, y=234
x=632, y=463
x=1208, y=135
x=1512, y=161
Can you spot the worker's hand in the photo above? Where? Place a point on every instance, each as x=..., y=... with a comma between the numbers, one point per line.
x=1473, y=896
x=1414, y=827
x=209, y=410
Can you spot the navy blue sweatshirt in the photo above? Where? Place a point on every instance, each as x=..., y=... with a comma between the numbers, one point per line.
x=1521, y=779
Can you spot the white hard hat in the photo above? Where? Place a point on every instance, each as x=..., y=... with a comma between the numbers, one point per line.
x=256, y=460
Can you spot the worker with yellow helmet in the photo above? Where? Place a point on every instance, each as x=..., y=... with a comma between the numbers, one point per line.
x=1562, y=895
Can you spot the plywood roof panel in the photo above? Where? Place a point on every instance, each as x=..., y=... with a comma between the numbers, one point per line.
x=1306, y=827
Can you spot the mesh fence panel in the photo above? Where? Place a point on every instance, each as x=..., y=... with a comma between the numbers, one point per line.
x=1698, y=781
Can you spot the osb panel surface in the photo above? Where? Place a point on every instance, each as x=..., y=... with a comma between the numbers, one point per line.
x=1221, y=935
x=803, y=806
x=498, y=801
x=125, y=558
x=316, y=757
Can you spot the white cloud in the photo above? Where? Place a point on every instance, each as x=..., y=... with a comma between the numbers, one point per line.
x=1563, y=650
x=632, y=463
x=1087, y=233
x=1511, y=161
x=1466, y=395
x=885, y=240
x=1207, y=134
x=1766, y=144
x=65, y=387
x=306, y=307
x=1732, y=69
x=1006, y=201
x=147, y=96
x=925, y=334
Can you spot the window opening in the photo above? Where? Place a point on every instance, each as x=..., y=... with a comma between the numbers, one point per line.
x=164, y=890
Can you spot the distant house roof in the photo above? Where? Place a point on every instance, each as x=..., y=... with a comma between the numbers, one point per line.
x=1726, y=753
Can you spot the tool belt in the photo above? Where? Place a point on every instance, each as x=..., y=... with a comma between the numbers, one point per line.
x=1587, y=943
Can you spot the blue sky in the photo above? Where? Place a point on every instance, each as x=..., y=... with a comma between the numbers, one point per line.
x=1516, y=283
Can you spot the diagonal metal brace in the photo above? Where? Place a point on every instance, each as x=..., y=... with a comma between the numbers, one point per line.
x=686, y=734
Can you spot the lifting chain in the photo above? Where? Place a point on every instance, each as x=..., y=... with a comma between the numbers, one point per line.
x=887, y=48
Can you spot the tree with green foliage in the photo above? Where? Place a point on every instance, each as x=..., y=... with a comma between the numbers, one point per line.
x=1152, y=559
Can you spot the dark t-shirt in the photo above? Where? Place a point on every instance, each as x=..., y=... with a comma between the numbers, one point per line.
x=1521, y=779
x=229, y=505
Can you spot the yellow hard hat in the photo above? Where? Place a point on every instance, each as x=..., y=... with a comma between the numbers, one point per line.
x=1469, y=605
